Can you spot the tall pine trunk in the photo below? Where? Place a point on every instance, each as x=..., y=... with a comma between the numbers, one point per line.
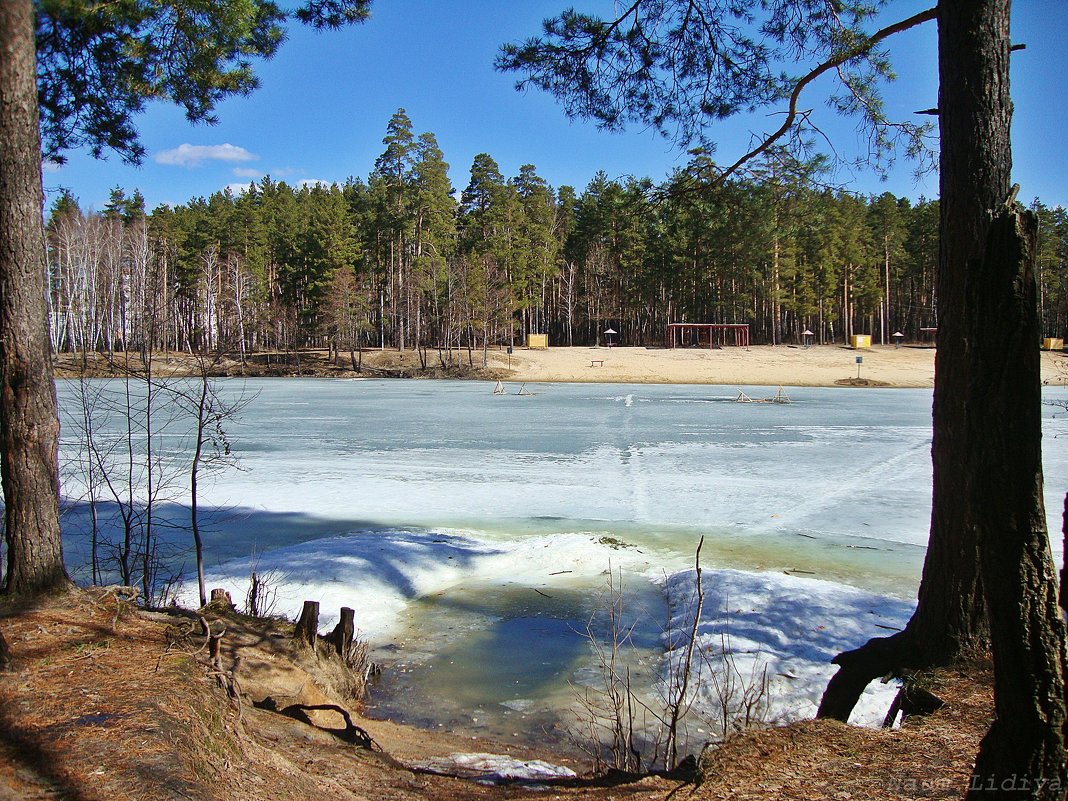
x=1026, y=742
x=975, y=112
x=29, y=425
x=984, y=522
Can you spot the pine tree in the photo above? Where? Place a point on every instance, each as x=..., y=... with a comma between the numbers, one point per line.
x=490, y=219
x=29, y=423
x=886, y=217
x=434, y=238
x=392, y=177
x=327, y=245
x=539, y=244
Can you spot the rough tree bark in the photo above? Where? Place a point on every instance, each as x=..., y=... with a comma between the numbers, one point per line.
x=344, y=631
x=1025, y=744
x=306, y=632
x=975, y=112
x=1064, y=567
x=29, y=425
x=951, y=618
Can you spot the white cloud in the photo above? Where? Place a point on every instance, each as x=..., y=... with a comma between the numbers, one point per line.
x=237, y=188
x=241, y=187
x=186, y=155
x=248, y=172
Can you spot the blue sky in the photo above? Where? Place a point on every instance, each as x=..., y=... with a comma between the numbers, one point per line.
x=322, y=109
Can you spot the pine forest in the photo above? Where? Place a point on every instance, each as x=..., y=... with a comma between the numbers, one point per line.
x=402, y=260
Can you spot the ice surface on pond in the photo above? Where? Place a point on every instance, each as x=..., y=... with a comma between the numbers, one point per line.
x=451, y=455
x=411, y=501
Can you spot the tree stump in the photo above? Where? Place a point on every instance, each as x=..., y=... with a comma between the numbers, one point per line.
x=343, y=632
x=221, y=598
x=307, y=629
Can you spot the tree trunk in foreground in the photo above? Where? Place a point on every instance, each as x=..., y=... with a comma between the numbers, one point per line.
x=975, y=112
x=1064, y=550
x=988, y=576
x=1025, y=744
x=29, y=425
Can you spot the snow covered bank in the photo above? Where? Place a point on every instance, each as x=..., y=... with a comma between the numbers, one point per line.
x=494, y=768
x=381, y=572
x=789, y=625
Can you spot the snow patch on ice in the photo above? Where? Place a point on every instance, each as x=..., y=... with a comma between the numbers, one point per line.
x=381, y=572
x=789, y=625
x=792, y=626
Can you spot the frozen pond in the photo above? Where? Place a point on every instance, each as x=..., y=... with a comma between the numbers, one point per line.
x=472, y=532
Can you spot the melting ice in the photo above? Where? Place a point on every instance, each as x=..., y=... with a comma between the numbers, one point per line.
x=474, y=533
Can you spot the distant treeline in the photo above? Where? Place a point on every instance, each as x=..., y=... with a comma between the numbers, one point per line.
x=397, y=261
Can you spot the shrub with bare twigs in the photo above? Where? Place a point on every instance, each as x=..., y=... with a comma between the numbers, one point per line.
x=620, y=728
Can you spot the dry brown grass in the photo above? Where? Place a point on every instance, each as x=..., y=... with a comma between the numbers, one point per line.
x=929, y=757
x=308, y=363
x=94, y=710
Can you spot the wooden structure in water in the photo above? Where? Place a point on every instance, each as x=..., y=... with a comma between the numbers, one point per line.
x=779, y=397
x=499, y=389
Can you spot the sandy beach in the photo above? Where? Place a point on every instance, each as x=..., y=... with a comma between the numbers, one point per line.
x=817, y=366
x=761, y=365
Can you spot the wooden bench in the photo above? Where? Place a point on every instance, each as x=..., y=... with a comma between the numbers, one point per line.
x=596, y=362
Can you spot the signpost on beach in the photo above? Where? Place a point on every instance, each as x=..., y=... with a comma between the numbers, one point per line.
x=860, y=361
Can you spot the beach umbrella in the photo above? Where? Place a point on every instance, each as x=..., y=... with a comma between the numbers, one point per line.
x=807, y=335
x=608, y=333
x=897, y=337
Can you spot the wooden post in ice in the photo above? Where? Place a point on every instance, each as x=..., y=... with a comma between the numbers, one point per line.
x=307, y=629
x=343, y=632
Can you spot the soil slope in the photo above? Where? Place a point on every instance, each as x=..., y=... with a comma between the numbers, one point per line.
x=106, y=702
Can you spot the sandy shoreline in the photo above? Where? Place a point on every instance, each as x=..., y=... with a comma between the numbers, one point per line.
x=818, y=366
x=760, y=365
